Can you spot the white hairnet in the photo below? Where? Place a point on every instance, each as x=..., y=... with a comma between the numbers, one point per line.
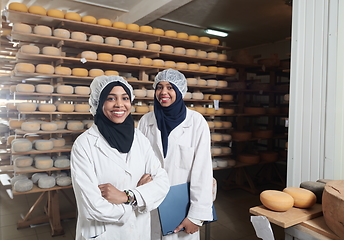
x=172, y=76
x=97, y=86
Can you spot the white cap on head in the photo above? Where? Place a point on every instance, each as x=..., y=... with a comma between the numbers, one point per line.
x=172, y=76
x=97, y=86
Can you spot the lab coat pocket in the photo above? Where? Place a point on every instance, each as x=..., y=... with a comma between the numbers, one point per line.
x=185, y=158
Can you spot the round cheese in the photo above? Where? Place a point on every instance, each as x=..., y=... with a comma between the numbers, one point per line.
x=226, y=137
x=60, y=124
x=82, y=107
x=179, y=50
x=141, y=109
x=23, y=185
x=203, y=68
x=26, y=107
x=214, y=41
x=112, y=40
x=63, y=71
x=221, y=70
x=10, y=139
x=202, y=82
x=170, y=64
x=25, y=67
x=111, y=72
x=82, y=90
x=146, y=29
x=216, y=137
x=54, y=51
x=171, y=33
x=65, y=107
x=79, y=36
x=11, y=106
x=140, y=44
x=43, y=145
x=21, y=145
x=104, y=22
x=21, y=27
x=226, y=150
x=64, y=181
x=106, y=57
x=95, y=72
x=133, y=27
x=193, y=66
x=55, y=13
x=220, y=111
x=140, y=92
x=193, y=38
x=158, y=62
x=276, y=200
x=197, y=95
x=72, y=16
x=15, y=123
x=65, y=89
x=47, y=107
x=222, y=57
x=213, y=83
x=119, y=25
x=222, y=83
x=249, y=158
x=213, y=55
x=154, y=47
x=217, y=124
x=181, y=65
x=202, y=54
x=303, y=198
x=182, y=35
x=119, y=58
x=42, y=30
x=133, y=60
x=150, y=93
x=212, y=69
x=158, y=31
x=31, y=49
x=61, y=33
x=126, y=43
x=89, y=55
x=58, y=142
x=17, y=178
x=201, y=110
x=204, y=39
x=231, y=71
x=191, y=52
x=146, y=61
x=23, y=161
x=96, y=39
x=89, y=19
x=46, y=182
x=191, y=81
x=16, y=6
x=75, y=125
x=45, y=68
x=48, y=126
x=80, y=72
x=36, y=176
x=167, y=48
x=24, y=87
x=210, y=110
x=37, y=10
x=44, y=88
x=227, y=97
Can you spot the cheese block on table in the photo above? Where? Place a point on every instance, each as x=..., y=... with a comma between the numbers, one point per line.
x=23, y=185
x=21, y=145
x=21, y=27
x=31, y=49
x=48, y=126
x=46, y=182
x=140, y=44
x=58, y=142
x=96, y=39
x=82, y=108
x=25, y=88
x=146, y=29
x=44, y=88
x=61, y=124
x=54, y=51
x=75, y=125
x=104, y=22
x=16, y=6
x=65, y=107
x=72, y=16
x=62, y=163
x=65, y=89
x=106, y=57
x=276, y=200
x=55, y=13
x=89, y=55
x=64, y=181
x=80, y=72
x=126, y=43
x=47, y=107
x=23, y=161
x=119, y=25
x=89, y=19
x=63, y=71
x=303, y=198
x=82, y=90
x=111, y=72
x=158, y=31
x=42, y=30
x=79, y=36
x=45, y=68
x=316, y=187
x=112, y=40
x=25, y=67
x=26, y=107
x=43, y=145
x=119, y=58
x=37, y=10
x=95, y=72
x=133, y=27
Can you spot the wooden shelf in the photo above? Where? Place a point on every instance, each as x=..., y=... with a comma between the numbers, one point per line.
x=19, y=131
x=71, y=113
x=49, y=94
x=54, y=150
x=33, y=169
x=36, y=189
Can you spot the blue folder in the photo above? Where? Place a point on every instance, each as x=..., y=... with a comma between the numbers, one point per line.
x=175, y=208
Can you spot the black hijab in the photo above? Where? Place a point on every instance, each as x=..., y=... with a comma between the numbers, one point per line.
x=168, y=118
x=118, y=135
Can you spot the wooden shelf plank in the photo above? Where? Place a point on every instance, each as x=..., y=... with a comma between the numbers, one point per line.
x=19, y=131
x=54, y=150
x=32, y=169
x=36, y=189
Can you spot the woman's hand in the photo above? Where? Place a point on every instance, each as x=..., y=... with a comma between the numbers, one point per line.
x=189, y=226
x=146, y=178
x=112, y=194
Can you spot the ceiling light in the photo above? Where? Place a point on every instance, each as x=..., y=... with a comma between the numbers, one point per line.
x=216, y=33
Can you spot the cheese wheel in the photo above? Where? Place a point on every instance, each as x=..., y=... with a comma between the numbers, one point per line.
x=191, y=81
x=213, y=55
x=26, y=107
x=16, y=6
x=126, y=43
x=72, y=16
x=226, y=137
x=133, y=60
x=119, y=25
x=15, y=123
x=170, y=64
x=48, y=126
x=11, y=138
x=214, y=41
x=202, y=82
x=141, y=109
x=210, y=110
x=221, y=70
x=212, y=69
x=23, y=185
x=25, y=67
x=17, y=178
x=58, y=142
x=202, y=54
x=213, y=83
x=106, y=57
x=146, y=29
x=95, y=72
x=96, y=39
x=167, y=48
x=191, y=52
x=63, y=71
x=54, y=51
x=203, y=68
x=181, y=65
x=158, y=31
x=47, y=107
x=193, y=38
x=140, y=44
x=276, y=200
x=179, y=50
x=112, y=40
x=55, y=13
x=21, y=145
x=64, y=181
x=23, y=161
x=104, y=22
x=140, y=92
x=46, y=182
x=78, y=36
x=89, y=55
x=36, y=176
x=24, y=87
x=82, y=90
x=215, y=150
x=303, y=198
x=216, y=137
x=193, y=66
x=60, y=124
x=61, y=33
x=11, y=106
x=217, y=124
x=226, y=150
x=150, y=93
x=75, y=125
x=158, y=62
x=31, y=49
x=154, y=47
x=89, y=19
x=111, y=72
x=21, y=27
x=182, y=35
x=65, y=107
x=221, y=83
x=146, y=61
x=45, y=68
x=231, y=71
x=44, y=88
x=249, y=158
x=171, y=33
x=80, y=72
x=197, y=95
x=119, y=58
x=43, y=145
x=204, y=39
x=222, y=57
x=82, y=107
x=133, y=27
x=220, y=111
x=37, y=10
x=227, y=97
x=42, y=30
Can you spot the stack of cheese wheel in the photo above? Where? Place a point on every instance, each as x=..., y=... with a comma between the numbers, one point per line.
x=24, y=185
x=111, y=72
x=193, y=66
x=171, y=33
x=181, y=65
x=226, y=150
x=212, y=69
x=47, y=107
x=222, y=83
x=214, y=41
x=31, y=49
x=45, y=69
x=63, y=70
x=204, y=39
x=25, y=67
x=193, y=38
x=216, y=150
x=179, y=50
x=211, y=124
x=65, y=89
x=42, y=30
x=61, y=33
x=191, y=81
x=48, y=126
x=221, y=162
x=213, y=55
x=53, y=51
x=58, y=142
x=36, y=176
x=15, y=6
x=203, y=68
x=197, y=95
x=43, y=145
x=182, y=35
x=226, y=137
x=191, y=52
x=21, y=27
x=217, y=124
x=188, y=95
x=222, y=57
x=96, y=39
x=146, y=29
x=31, y=126
x=64, y=181
x=212, y=82
x=221, y=70
x=158, y=62
x=142, y=108
x=80, y=36
x=170, y=64
x=25, y=88
x=112, y=40
x=216, y=137
x=89, y=19
x=140, y=92
x=146, y=61
x=61, y=124
x=119, y=25
x=46, y=182
x=104, y=22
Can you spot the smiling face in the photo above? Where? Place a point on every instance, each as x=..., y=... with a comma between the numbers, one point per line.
x=165, y=93
x=117, y=105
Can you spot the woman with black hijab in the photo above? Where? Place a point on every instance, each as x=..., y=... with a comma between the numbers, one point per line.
x=117, y=178
x=180, y=137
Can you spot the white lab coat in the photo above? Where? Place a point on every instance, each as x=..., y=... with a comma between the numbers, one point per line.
x=188, y=159
x=94, y=162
